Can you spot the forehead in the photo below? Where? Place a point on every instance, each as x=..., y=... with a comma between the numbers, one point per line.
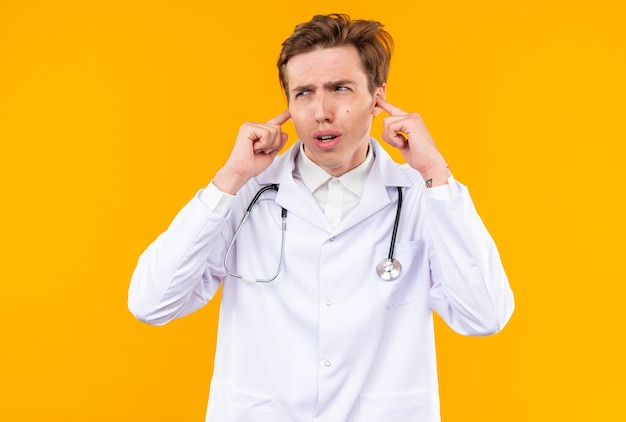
x=324, y=65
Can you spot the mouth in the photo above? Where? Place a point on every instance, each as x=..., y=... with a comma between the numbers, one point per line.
x=326, y=138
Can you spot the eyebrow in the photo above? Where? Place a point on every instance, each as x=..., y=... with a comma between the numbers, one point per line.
x=327, y=85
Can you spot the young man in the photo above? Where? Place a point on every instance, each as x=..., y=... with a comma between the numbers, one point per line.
x=331, y=318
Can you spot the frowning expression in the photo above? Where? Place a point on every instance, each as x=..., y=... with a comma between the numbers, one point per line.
x=331, y=106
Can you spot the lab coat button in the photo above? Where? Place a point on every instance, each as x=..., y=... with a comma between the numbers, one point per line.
x=327, y=364
x=332, y=239
x=329, y=302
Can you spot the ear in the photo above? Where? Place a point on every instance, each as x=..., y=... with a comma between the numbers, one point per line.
x=381, y=92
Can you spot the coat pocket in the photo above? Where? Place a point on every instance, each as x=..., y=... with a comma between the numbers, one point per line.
x=414, y=406
x=245, y=407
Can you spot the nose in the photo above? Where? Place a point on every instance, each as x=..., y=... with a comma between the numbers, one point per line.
x=323, y=109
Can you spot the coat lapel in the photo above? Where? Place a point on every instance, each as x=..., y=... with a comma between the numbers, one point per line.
x=380, y=188
x=293, y=195
x=296, y=198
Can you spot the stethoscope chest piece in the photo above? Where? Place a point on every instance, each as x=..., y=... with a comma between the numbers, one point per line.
x=388, y=269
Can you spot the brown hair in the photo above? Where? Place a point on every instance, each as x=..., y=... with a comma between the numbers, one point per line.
x=373, y=44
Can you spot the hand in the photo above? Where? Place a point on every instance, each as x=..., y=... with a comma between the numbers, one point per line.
x=255, y=148
x=408, y=133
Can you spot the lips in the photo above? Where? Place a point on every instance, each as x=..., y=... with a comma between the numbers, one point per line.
x=326, y=136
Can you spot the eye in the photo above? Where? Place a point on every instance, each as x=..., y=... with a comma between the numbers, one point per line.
x=302, y=93
x=342, y=88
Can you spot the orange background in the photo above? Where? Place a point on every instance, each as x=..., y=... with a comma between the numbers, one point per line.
x=114, y=113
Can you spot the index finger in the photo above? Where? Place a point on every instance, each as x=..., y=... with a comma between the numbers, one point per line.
x=280, y=119
x=390, y=108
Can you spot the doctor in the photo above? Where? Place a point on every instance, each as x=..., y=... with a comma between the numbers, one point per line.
x=328, y=339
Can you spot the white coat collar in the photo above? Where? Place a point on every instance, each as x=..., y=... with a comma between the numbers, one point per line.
x=297, y=199
x=314, y=176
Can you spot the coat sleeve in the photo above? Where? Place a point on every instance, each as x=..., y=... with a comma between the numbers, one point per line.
x=469, y=287
x=181, y=270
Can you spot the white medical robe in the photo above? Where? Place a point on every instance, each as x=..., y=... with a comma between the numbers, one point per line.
x=328, y=340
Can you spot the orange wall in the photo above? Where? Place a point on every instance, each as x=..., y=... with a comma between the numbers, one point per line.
x=113, y=113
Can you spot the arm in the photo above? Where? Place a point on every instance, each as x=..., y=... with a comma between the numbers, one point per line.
x=469, y=288
x=182, y=269
x=179, y=272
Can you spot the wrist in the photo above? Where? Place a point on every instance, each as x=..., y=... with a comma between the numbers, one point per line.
x=436, y=176
x=228, y=181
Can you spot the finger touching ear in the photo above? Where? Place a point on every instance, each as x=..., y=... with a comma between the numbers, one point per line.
x=379, y=93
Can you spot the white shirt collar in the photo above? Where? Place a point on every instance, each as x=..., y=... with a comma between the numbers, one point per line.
x=314, y=176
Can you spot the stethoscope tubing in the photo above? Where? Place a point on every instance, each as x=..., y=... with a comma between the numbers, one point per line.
x=387, y=269
x=240, y=226
x=396, y=223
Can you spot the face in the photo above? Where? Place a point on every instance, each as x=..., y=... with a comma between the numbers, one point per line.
x=331, y=106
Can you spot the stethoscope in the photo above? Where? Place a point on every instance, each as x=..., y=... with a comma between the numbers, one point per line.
x=387, y=269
